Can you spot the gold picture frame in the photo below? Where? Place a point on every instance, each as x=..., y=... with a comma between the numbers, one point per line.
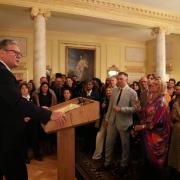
x=80, y=62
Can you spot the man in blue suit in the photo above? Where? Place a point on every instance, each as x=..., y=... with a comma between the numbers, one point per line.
x=15, y=111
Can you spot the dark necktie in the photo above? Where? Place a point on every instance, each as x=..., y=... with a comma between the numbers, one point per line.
x=120, y=92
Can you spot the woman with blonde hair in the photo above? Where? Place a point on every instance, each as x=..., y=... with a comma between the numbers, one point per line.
x=155, y=124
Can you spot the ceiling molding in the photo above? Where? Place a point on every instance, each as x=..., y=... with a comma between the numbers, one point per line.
x=116, y=11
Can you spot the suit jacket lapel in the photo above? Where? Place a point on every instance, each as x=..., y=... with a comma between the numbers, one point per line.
x=12, y=75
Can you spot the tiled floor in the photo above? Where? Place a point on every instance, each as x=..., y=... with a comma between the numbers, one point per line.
x=43, y=170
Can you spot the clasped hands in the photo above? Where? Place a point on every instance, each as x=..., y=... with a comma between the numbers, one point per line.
x=116, y=109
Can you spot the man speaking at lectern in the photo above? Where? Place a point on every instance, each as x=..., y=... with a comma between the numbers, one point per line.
x=14, y=112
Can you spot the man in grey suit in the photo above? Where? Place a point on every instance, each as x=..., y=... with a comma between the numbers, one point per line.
x=119, y=119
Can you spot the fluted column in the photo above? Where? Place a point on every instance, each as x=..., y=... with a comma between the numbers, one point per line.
x=160, y=65
x=39, y=61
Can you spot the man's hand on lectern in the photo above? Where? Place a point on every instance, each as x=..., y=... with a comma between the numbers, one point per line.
x=59, y=117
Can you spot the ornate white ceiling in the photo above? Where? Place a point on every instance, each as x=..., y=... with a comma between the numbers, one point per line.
x=19, y=18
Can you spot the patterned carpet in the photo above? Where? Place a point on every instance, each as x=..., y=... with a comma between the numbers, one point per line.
x=87, y=168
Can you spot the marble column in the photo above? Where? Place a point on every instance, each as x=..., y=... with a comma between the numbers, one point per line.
x=39, y=61
x=160, y=63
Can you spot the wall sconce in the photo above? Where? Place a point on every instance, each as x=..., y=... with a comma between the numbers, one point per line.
x=112, y=71
x=48, y=70
x=169, y=67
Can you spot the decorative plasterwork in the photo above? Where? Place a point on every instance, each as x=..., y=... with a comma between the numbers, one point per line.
x=40, y=11
x=122, y=7
x=114, y=10
x=136, y=69
x=135, y=54
x=113, y=70
x=157, y=30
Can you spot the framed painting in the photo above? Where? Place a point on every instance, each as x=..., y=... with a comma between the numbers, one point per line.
x=80, y=62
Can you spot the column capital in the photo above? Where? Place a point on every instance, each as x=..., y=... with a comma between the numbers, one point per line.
x=166, y=29
x=35, y=11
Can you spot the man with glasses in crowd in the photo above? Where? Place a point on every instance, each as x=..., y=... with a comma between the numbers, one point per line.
x=15, y=111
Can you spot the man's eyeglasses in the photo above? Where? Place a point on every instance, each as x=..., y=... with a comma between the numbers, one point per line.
x=18, y=54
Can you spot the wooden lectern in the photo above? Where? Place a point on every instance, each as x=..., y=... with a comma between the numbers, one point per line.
x=78, y=111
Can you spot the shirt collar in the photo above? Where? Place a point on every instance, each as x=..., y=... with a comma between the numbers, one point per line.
x=5, y=65
x=27, y=97
x=89, y=92
x=123, y=87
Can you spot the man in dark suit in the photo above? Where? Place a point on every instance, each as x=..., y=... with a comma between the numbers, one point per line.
x=89, y=131
x=15, y=111
x=89, y=92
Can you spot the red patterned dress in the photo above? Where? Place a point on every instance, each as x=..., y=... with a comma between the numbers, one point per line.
x=156, y=117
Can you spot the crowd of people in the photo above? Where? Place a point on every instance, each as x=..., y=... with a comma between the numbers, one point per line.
x=144, y=114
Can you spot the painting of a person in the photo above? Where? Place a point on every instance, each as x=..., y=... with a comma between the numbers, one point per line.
x=80, y=63
x=80, y=67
